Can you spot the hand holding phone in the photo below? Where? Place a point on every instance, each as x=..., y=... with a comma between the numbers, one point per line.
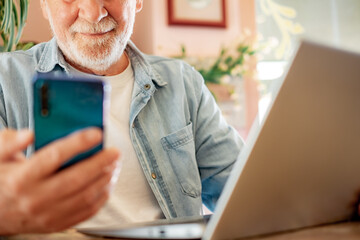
x=46, y=201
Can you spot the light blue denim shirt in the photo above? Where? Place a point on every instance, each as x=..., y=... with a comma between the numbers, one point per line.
x=185, y=147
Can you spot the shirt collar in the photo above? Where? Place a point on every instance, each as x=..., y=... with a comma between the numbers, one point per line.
x=137, y=59
x=52, y=57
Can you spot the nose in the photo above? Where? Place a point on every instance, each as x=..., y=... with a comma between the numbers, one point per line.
x=92, y=10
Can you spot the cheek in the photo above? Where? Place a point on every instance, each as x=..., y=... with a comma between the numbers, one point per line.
x=62, y=16
x=121, y=10
x=116, y=14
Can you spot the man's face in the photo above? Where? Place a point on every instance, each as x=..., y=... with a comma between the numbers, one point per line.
x=92, y=34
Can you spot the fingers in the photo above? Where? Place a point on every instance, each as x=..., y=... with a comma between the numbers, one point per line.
x=87, y=213
x=18, y=157
x=73, y=194
x=79, y=176
x=13, y=142
x=48, y=159
x=76, y=208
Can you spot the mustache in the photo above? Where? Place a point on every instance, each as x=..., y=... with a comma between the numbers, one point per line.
x=105, y=25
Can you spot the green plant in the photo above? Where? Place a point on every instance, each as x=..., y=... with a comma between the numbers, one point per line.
x=13, y=14
x=230, y=62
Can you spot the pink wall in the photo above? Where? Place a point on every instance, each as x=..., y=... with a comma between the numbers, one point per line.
x=37, y=28
x=166, y=40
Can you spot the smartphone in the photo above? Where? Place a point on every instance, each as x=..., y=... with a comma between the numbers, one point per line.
x=63, y=105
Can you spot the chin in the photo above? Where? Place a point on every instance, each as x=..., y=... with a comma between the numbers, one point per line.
x=101, y=62
x=94, y=54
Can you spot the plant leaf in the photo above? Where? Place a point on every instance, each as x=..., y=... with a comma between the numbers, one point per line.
x=25, y=46
x=1, y=13
x=3, y=36
x=23, y=16
x=14, y=11
x=24, y=7
x=10, y=42
x=7, y=15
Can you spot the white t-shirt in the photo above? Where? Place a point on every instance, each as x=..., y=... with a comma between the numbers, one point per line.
x=131, y=199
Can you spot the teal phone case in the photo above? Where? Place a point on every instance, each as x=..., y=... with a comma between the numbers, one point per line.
x=63, y=105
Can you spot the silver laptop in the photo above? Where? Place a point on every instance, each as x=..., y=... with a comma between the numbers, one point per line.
x=301, y=166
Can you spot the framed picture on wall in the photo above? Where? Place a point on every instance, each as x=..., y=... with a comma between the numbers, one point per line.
x=209, y=13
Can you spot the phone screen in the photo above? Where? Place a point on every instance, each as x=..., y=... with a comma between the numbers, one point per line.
x=63, y=105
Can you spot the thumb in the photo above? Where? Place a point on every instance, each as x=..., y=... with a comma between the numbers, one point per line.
x=12, y=142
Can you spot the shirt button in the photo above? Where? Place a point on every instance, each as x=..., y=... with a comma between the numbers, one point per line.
x=147, y=86
x=153, y=175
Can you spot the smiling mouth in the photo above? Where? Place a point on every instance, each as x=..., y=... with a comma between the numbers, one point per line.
x=95, y=34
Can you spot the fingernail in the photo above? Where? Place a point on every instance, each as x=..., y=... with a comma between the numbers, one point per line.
x=93, y=133
x=109, y=188
x=116, y=154
x=110, y=168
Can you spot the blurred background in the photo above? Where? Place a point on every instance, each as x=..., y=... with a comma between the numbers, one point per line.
x=240, y=46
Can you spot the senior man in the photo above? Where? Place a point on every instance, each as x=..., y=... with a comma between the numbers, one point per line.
x=176, y=149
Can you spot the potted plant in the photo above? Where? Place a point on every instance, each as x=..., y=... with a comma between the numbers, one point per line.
x=229, y=64
x=13, y=14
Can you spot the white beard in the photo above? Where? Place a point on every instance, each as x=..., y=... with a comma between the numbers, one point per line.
x=95, y=54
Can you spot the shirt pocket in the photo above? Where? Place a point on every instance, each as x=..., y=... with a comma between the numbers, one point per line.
x=180, y=148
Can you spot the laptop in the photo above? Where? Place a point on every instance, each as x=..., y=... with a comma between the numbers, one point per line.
x=301, y=165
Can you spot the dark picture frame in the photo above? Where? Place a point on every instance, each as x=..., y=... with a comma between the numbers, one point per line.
x=182, y=13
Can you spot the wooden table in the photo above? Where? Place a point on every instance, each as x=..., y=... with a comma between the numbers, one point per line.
x=343, y=231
